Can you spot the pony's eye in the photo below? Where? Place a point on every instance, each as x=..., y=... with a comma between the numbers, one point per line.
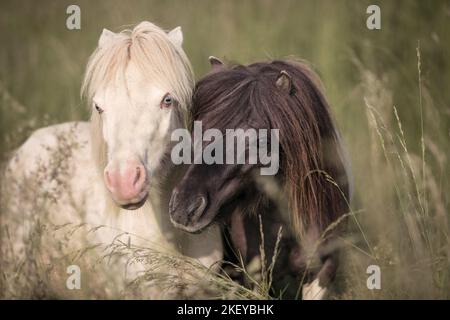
x=167, y=101
x=99, y=110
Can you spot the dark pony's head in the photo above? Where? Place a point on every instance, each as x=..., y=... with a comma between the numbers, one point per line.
x=282, y=95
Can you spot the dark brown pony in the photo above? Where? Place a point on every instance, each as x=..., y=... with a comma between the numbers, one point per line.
x=312, y=181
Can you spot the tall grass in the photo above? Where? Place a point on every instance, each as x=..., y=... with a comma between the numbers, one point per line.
x=403, y=195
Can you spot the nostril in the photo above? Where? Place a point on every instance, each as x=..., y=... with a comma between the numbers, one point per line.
x=138, y=175
x=197, y=209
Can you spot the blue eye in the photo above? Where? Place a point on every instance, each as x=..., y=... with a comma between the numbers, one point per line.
x=99, y=110
x=167, y=101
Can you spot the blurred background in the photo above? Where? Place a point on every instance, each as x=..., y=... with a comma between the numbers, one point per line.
x=389, y=90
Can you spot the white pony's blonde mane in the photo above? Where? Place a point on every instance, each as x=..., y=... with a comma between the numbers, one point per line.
x=151, y=49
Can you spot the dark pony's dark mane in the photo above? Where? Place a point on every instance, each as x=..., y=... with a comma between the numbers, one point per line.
x=311, y=162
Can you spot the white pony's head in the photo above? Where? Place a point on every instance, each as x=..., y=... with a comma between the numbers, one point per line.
x=139, y=83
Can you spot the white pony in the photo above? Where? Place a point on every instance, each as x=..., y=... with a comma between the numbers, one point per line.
x=111, y=177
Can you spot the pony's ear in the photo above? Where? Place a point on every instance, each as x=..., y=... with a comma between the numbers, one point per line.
x=105, y=37
x=176, y=36
x=284, y=82
x=216, y=63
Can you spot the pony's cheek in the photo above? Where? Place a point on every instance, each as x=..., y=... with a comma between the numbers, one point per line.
x=164, y=126
x=153, y=157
